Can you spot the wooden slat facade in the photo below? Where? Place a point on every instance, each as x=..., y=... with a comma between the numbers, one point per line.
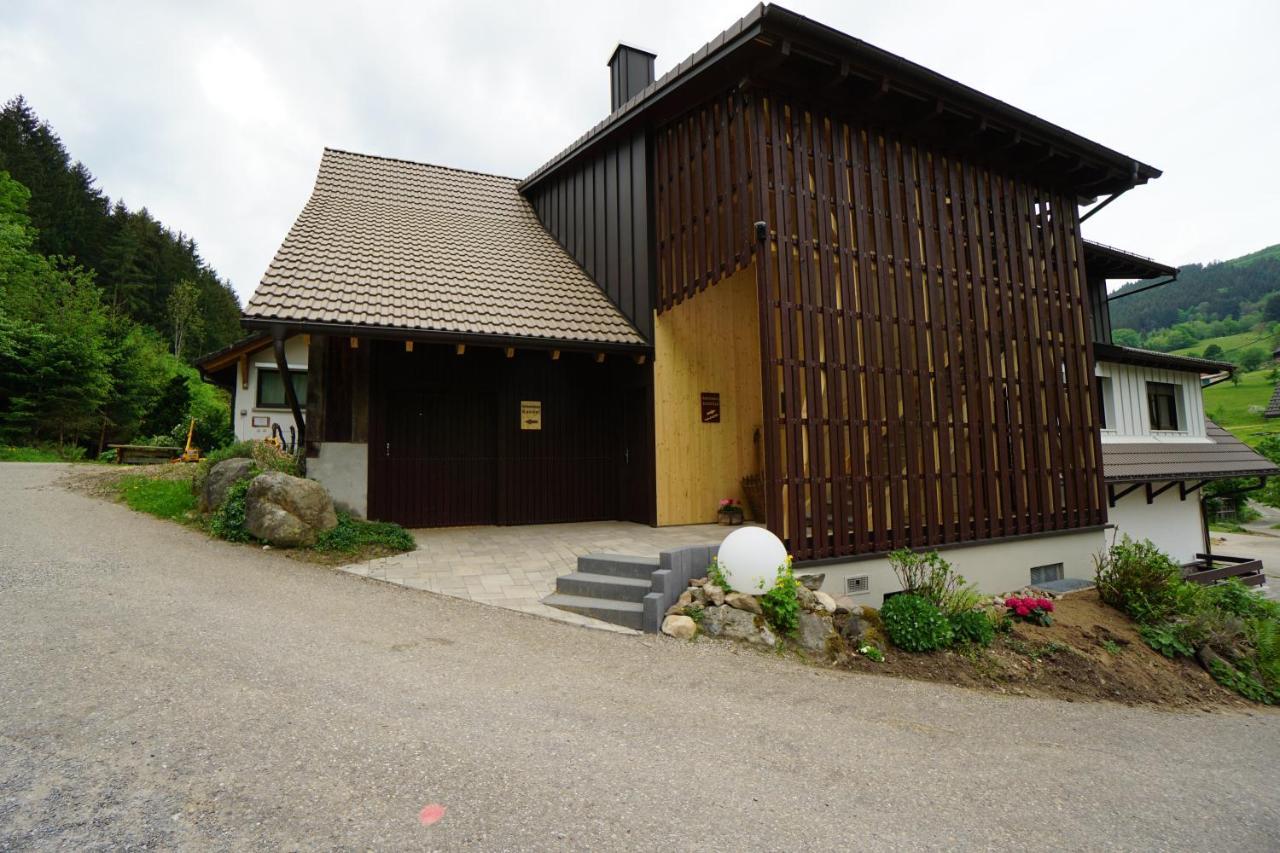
x=925, y=325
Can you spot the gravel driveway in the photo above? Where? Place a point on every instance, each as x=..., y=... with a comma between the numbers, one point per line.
x=158, y=689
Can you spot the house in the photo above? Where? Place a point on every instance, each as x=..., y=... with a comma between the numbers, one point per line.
x=248, y=371
x=794, y=260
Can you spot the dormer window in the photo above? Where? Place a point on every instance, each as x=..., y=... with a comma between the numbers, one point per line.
x=1162, y=403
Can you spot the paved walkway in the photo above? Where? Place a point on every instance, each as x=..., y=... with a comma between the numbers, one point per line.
x=516, y=567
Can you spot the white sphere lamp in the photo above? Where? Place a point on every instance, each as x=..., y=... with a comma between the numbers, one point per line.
x=750, y=558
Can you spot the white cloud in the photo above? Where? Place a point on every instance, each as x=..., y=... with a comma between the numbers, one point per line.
x=214, y=115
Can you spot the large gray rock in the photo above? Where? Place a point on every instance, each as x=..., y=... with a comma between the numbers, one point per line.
x=812, y=631
x=742, y=601
x=221, y=478
x=811, y=582
x=730, y=623
x=855, y=628
x=288, y=511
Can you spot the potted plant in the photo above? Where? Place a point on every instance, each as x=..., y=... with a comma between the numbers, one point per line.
x=730, y=511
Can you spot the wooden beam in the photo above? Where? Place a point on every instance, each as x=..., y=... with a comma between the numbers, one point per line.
x=1184, y=489
x=640, y=359
x=290, y=395
x=1113, y=497
x=511, y=352
x=244, y=372
x=1152, y=495
x=355, y=343
x=459, y=349
x=408, y=346
x=599, y=358
x=555, y=355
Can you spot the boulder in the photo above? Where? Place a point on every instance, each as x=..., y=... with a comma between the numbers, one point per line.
x=825, y=601
x=675, y=610
x=845, y=604
x=812, y=582
x=221, y=478
x=812, y=631
x=685, y=599
x=680, y=627
x=286, y=510
x=854, y=628
x=742, y=601
x=714, y=594
x=730, y=623
x=806, y=598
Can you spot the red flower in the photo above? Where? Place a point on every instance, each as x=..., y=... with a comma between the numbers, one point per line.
x=1011, y=602
x=1022, y=610
x=1044, y=604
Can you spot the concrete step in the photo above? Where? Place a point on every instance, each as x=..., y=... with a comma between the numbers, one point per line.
x=618, y=565
x=591, y=585
x=628, y=614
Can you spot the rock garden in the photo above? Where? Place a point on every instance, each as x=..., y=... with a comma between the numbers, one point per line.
x=252, y=492
x=1142, y=635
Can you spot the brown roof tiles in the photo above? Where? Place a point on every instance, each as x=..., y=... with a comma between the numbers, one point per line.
x=401, y=245
x=1224, y=456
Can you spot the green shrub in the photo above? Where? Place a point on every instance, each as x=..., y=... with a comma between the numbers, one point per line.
x=781, y=604
x=1239, y=600
x=1139, y=579
x=915, y=624
x=227, y=521
x=354, y=534
x=716, y=575
x=1166, y=640
x=931, y=577
x=972, y=626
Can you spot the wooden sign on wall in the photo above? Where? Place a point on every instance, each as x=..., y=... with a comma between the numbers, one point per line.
x=531, y=414
x=710, y=407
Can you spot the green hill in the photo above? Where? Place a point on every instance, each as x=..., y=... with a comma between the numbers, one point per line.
x=1239, y=408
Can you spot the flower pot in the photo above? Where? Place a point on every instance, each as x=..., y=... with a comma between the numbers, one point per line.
x=729, y=518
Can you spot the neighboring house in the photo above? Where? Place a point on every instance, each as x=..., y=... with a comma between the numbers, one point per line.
x=1158, y=448
x=795, y=257
x=247, y=369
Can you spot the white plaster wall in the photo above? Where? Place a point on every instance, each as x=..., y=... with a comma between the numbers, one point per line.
x=996, y=567
x=245, y=407
x=343, y=469
x=1172, y=524
x=1128, y=417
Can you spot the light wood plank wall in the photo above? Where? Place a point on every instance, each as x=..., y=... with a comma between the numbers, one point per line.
x=707, y=344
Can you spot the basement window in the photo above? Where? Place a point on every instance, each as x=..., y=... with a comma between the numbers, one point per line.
x=1162, y=403
x=1046, y=574
x=271, y=388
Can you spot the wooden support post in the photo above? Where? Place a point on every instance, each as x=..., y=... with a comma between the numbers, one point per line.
x=355, y=343
x=640, y=359
x=1151, y=496
x=599, y=358
x=555, y=355
x=408, y=346
x=290, y=395
x=460, y=349
x=244, y=372
x=511, y=352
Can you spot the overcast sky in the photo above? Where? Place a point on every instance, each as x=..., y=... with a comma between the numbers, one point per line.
x=214, y=114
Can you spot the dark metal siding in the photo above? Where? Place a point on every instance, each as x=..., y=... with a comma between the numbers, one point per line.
x=597, y=208
x=1099, y=310
x=630, y=70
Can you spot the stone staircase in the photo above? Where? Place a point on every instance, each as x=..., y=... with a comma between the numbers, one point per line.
x=630, y=591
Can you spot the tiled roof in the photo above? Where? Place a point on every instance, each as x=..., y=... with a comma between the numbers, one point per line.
x=1226, y=456
x=1273, y=406
x=400, y=245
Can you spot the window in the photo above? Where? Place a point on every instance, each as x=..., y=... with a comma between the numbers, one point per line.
x=271, y=388
x=1104, y=401
x=1046, y=574
x=1162, y=401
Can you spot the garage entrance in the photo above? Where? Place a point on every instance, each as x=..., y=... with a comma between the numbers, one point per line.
x=482, y=438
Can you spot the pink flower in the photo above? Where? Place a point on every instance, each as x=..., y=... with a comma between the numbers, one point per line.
x=1011, y=602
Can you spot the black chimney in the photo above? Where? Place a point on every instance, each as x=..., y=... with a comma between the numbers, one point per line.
x=630, y=70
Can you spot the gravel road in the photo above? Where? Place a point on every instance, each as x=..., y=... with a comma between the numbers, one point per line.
x=161, y=690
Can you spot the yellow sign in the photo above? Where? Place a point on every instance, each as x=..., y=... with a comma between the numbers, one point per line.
x=531, y=414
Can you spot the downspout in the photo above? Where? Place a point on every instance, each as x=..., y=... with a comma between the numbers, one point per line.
x=290, y=395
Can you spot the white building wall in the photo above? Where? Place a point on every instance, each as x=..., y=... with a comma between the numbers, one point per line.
x=251, y=421
x=1172, y=524
x=996, y=567
x=1125, y=399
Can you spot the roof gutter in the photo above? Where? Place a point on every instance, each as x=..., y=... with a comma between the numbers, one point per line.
x=438, y=336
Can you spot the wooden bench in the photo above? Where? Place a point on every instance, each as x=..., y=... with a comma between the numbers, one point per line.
x=143, y=454
x=1212, y=568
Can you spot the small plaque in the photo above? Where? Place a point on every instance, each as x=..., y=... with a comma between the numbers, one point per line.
x=261, y=421
x=710, y=407
x=531, y=414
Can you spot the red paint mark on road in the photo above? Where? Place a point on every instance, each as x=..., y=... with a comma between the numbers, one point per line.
x=431, y=813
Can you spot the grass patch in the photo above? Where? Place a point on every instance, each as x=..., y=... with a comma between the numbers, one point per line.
x=1229, y=406
x=1226, y=527
x=70, y=453
x=163, y=498
x=355, y=535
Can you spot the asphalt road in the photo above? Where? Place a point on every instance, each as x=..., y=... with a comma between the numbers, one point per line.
x=158, y=689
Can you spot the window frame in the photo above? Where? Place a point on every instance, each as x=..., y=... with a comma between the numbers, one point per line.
x=284, y=403
x=1156, y=390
